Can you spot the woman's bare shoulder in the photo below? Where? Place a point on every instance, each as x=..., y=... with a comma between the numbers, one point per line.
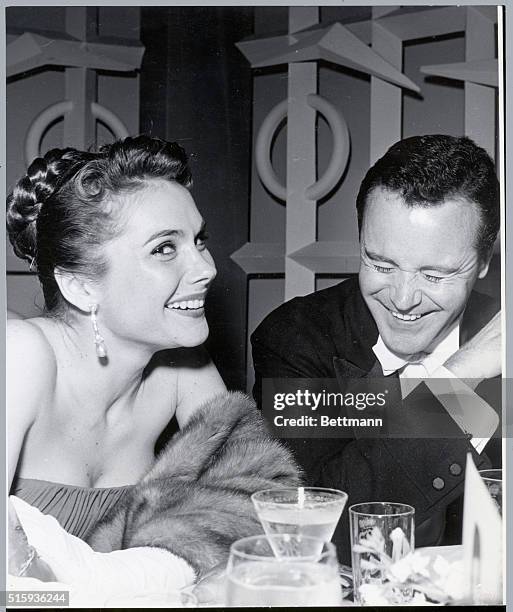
x=191, y=375
x=197, y=381
x=28, y=349
x=31, y=379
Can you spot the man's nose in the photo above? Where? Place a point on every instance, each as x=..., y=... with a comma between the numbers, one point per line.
x=404, y=293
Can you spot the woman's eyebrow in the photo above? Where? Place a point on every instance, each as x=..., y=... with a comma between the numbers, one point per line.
x=163, y=233
x=173, y=232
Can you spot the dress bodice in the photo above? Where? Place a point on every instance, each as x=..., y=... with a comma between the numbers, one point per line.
x=78, y=509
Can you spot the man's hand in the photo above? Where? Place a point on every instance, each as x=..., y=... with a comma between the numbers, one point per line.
x=480, y=357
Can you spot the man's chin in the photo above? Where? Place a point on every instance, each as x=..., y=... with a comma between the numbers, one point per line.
x=406, y=348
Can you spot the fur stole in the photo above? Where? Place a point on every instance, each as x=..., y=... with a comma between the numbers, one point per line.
x=195, y=500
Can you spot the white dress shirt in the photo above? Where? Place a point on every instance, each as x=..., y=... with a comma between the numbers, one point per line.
x=470, y=411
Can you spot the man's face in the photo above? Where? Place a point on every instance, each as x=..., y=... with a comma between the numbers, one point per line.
x=418, y=266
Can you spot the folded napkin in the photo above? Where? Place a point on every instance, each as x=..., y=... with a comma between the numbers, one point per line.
x=92, y=577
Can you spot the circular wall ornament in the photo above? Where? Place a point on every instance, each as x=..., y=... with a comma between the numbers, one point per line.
x=41, y=123
x=339, y=156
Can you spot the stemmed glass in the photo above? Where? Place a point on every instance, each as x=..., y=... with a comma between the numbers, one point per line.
x=289, y=564
x=311, y=511
x=303, y=573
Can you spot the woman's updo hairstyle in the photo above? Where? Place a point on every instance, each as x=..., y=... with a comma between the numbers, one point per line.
x=63, y=209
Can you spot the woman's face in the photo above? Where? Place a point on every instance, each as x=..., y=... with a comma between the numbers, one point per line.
x=158, y=271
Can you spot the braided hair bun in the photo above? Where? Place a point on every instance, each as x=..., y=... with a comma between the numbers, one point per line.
x=32, y=191
x=65, y=208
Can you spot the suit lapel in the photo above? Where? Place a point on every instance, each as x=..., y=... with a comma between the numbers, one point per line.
x=346, y=369
x=356, y=361
x=355, y=337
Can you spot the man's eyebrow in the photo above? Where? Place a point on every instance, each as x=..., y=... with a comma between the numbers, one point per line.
x=377, y=257
x=438, y=268
x=163, y=233
x=434, y=268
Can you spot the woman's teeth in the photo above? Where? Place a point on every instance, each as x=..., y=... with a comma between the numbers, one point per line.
x=187, y=305
x=405, y=317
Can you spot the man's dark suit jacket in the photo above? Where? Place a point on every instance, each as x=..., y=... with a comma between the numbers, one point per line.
x=330, y=334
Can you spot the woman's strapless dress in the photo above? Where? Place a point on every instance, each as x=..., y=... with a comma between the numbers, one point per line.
x=78, y=509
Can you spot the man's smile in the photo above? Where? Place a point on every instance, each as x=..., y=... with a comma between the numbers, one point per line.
x=404, y=317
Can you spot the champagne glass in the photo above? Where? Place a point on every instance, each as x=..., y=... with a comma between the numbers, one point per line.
x=309, y=511
x=305, y=573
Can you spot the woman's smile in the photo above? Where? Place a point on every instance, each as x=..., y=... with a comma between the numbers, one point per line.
x=189, y=305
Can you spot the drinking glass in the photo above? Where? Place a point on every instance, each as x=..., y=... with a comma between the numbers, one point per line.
x=305, y=573
x=493, y=482
x=381, y=533
x=310, y=511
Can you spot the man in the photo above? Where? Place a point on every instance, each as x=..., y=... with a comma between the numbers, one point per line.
x=428, y=214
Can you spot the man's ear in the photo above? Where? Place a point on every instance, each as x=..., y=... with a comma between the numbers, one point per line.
x=484, y=265
x=75, y=289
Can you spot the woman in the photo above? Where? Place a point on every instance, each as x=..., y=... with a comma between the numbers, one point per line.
x=120, y=251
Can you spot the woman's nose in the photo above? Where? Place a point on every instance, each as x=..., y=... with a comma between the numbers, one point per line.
x=404, y=293
x=201, y=268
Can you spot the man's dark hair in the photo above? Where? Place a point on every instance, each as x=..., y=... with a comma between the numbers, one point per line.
x=427, y=170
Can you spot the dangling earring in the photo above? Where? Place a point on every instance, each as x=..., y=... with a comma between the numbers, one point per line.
x=101, y=350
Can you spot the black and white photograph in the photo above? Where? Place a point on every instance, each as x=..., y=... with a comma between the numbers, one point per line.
x=255, y=305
